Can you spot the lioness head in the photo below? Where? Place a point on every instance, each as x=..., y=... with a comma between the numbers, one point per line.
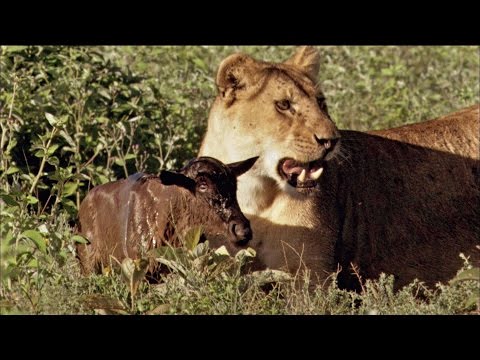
x=275, y=111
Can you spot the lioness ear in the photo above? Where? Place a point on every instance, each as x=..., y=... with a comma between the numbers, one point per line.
x=241, y=167
x=173, y=178
x=233, y=75
x=307, y=60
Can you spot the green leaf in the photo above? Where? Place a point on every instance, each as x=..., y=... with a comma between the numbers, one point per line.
x=244, y=254
x=141, y=268
x=192, y=237
x=104, y=93
x=167, y=252
x=134, y=119
x=37, y=238
x=119, y=162
x=12, y=170
x=99, y=147
x=222, y=251
x=63, y=254
x=133, y=272
x=200, y=250
x=40, y=153
x=62, y=121
x=68, y=203
x=8, y=200
x=69, y=149
x=103, y=179
x=43, y=229
x=33, y=263
x=69, y=188
x=470, y=274
x=128, y=267
x=67, y=138
x=175, y=266
x=31, y=199
x=200, y=63
x=80, y=239
x=6, y=239
x=103, y=120
x=27, y=177
x=53, y=160
x=52, y=120
x=129, y=156
x=51, y=149
x=12, y=49
x=121, y=127
x=221, y=255
x=473, y=299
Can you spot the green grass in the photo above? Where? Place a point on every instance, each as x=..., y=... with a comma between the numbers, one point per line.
x=72, y=118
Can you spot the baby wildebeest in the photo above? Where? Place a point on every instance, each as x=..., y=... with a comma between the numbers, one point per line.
x=127, y=217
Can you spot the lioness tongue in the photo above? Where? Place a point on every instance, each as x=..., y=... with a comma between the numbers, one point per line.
x=304, y=172
x=292, y=167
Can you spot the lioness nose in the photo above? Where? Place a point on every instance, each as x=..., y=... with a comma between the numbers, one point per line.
x=328, y=144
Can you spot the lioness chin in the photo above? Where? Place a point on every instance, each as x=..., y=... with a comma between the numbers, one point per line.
x=403, y=201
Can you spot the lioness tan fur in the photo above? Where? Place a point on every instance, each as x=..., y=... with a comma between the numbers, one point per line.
x=403, y=201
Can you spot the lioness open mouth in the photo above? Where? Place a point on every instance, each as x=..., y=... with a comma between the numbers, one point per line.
x=300, y=175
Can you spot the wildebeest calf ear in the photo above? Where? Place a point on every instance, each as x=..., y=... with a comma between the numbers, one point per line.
x=241, y=167
x=173, y=178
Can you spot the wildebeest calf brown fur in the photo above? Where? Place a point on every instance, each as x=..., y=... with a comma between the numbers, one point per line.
x=128, y=217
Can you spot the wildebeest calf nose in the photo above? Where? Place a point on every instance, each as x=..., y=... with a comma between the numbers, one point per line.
x=241, y=231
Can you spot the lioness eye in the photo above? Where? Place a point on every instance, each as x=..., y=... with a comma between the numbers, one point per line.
x=283, y=105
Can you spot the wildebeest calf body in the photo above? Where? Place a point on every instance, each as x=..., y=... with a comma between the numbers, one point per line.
x=128, y=217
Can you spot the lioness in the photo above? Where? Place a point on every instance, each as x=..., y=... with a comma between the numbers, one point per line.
x=403, y=201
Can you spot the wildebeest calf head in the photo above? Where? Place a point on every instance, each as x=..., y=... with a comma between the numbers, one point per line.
x=215, y=183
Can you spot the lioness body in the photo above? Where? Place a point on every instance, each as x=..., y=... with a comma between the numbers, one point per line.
x=410, y=206
x=403, y=201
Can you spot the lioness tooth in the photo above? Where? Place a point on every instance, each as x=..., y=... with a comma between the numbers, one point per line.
x=302, y=175
x=315, y=175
